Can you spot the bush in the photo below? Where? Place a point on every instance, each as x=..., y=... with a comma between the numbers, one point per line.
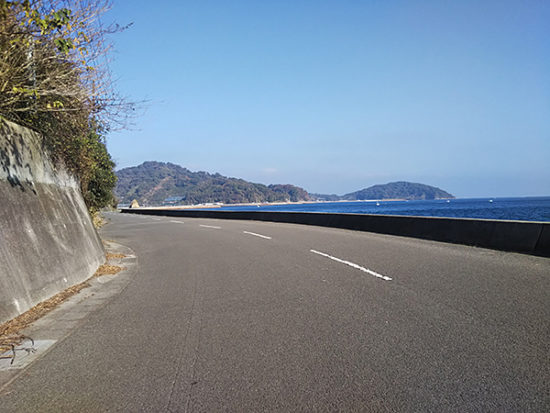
x=54, y=79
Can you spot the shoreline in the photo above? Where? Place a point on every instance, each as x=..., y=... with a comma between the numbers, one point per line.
x=260, y=204
x=220, y=205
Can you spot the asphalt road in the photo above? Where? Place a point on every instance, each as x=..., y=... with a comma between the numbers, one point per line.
x=256, y=316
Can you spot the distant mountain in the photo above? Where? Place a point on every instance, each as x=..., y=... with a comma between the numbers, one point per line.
x=399, y=190
x=151, y=183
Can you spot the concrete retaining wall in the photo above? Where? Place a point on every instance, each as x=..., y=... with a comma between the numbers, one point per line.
x=47, y=240
x=519, y=236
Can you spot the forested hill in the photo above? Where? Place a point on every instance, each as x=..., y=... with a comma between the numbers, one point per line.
x=399, y=190
x=153, y=182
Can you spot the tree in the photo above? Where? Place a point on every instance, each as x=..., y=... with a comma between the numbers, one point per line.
x=97, y=179
x=54, y=78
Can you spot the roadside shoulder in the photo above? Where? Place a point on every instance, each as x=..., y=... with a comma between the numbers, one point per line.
x=36, y=338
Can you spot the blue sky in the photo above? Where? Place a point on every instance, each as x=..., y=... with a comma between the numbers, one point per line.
x=335, y=96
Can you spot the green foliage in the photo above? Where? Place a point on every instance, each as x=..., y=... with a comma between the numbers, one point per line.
x=52, y=80
x=40, y=58
x=64, y=45
x=55, y=20
x=87, y=157
x=99, y=179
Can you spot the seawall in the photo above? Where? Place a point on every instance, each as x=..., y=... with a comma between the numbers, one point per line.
x=47, y=239
x=517, y=236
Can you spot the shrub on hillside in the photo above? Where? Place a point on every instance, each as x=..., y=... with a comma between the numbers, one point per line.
x=54, y=79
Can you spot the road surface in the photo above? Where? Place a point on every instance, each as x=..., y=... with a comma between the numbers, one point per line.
x=258, y=316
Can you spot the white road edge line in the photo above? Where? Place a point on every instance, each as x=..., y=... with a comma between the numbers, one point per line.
x=177, y=222
x=257, y=235
x=351, y=264
x=210, y=226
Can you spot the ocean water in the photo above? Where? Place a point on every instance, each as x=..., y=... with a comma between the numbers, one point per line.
x=525, y=209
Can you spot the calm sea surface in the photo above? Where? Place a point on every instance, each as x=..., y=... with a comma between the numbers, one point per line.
x=527, y=209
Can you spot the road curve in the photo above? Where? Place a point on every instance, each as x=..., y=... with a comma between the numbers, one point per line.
x=258, y=316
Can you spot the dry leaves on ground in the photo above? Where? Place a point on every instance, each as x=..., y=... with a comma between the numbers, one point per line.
x=9, y=330
x=110, y=256
x=107, y=269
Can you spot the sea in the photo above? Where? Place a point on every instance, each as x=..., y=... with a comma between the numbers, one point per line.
x=523, y=209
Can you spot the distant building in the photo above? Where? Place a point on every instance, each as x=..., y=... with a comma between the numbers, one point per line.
x=173, y=200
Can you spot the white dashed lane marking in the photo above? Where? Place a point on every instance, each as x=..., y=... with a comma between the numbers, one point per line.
x=177, y=222
x=351, y=264
x=257, y=235
x=211, y=226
